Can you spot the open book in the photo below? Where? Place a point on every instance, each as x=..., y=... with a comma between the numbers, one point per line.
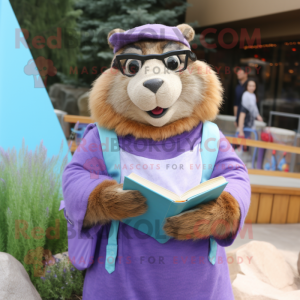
x=163, y=203
x=198, y=189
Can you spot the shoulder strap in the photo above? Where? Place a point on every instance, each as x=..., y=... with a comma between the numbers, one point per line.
x=209, y=152
x=209, y=148
x=111, y=152
x=111, y=156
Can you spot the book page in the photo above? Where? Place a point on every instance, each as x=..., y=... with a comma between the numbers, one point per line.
x=155, y=187
x=203, y=187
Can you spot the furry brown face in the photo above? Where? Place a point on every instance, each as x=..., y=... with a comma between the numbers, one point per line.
x=154, y=94
x=156, y=98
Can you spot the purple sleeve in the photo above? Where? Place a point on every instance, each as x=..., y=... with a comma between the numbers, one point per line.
x=80, y=177
x=85, y=171
x=230, y=166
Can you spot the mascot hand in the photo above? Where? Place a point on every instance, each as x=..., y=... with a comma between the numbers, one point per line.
x=218, y=218
x=108, y=201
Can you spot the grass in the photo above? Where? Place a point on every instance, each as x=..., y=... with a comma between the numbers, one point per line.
x=32, y=227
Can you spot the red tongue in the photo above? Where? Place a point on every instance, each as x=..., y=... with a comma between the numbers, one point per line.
x=157, y=110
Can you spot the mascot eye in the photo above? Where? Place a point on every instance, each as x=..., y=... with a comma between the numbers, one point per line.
x=172, y=62
x=132, y=66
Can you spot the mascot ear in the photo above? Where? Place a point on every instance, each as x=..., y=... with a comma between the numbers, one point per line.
x=111, y=33
x=187, y=31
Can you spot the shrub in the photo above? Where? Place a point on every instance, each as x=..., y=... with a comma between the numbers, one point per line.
x=32, y=227
x=60, y=281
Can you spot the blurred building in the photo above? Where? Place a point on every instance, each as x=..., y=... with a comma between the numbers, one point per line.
x=263, y=35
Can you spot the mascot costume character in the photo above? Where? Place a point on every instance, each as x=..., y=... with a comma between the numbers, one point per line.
x=154, y=105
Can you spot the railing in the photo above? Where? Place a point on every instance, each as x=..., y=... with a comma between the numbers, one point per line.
x=232, y=140
x=269, y=204
x=276, y=113
x=74, y=119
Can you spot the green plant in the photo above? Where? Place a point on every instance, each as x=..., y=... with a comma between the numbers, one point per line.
x=32, y=227
x=61, y=280
x=100, y=17
x=43, y=21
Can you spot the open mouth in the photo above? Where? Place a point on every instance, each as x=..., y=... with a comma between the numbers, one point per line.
x=157, y=112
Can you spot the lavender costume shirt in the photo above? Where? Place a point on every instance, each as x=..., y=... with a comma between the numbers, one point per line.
x=146, y=269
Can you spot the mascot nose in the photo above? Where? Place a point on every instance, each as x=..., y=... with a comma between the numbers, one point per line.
x=153, y=84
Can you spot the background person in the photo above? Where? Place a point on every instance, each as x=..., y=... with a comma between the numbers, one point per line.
x=242, y=77
x=249, y=111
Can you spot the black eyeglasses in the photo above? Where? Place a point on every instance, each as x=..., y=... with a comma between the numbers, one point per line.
x=176, y=61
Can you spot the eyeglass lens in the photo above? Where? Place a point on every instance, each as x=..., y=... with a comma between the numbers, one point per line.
x=175, y=63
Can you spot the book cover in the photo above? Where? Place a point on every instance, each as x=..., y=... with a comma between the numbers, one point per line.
x=161, y=207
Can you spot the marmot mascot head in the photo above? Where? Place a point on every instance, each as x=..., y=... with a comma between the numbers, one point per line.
x=154, y=97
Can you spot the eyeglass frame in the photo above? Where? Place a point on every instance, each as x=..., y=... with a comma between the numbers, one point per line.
x=143, y=58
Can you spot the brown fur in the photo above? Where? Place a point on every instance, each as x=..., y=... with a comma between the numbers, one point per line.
x=109, y=202
x=202, y=92
x=218, y=218
x=110, y=34
x=206, y=109
x=187, y=31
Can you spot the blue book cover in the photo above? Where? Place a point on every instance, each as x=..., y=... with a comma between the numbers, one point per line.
x=163, y=203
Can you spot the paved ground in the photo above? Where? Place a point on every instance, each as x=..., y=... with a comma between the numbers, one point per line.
x=284, y=237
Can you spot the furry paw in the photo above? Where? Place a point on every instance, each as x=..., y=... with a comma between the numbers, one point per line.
x=218, y=218
x=108, y=201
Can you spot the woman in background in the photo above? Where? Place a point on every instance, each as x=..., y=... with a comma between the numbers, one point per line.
x=249, y=110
